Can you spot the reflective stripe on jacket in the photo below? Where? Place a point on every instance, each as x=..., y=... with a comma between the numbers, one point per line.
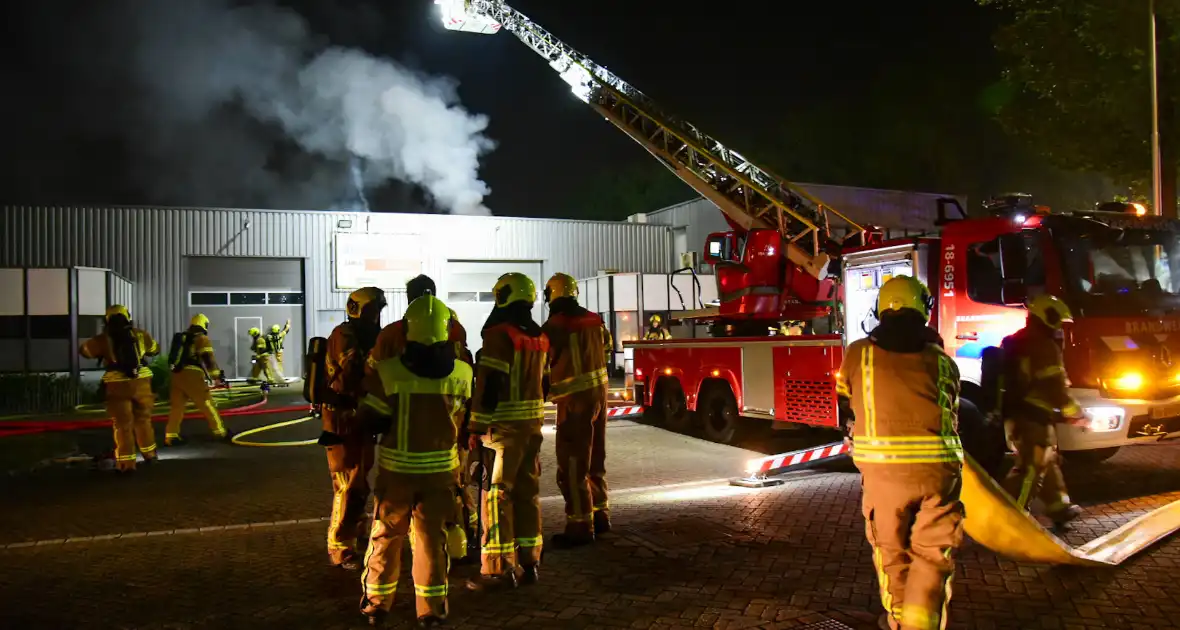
x=524, y=361
x=1035, y=384
x=426, y=413
x=100, y=347
x=906, y=405
x=577, y=353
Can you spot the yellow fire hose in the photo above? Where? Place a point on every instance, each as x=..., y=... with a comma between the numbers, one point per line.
x=237, y=439
x=222, y=397
x=995, y=522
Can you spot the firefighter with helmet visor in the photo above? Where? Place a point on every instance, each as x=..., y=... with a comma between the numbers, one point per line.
x=193, y=366
x=1036, y=398
x=416, y=401
x=508, y=410
x=578, y=346
x=128, y=383
x=276, y=338
x=349, y=447
x=656, y=331
x=904, y=391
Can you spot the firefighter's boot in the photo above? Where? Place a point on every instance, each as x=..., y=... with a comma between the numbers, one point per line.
x=174, y=441
x=491, y=583
x=530, y=574
x=1066, y=514
x=601, y=523
x=431, y=621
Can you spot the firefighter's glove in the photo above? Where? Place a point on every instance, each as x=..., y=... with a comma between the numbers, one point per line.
x=327, y=438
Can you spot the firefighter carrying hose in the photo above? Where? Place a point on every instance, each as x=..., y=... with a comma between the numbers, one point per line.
x=275, y=338
x=1035, y=399
x=392, y=343
x=193, y=365
x=416, y=402
x=260, y=346
x=507, y=413
x=578, y=343
x=904, y=391
x=656, y=331
x=349, y=447
x=128, y=383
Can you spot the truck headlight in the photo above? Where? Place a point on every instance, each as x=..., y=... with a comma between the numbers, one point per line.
x=1105, y=418
x=1128, y=382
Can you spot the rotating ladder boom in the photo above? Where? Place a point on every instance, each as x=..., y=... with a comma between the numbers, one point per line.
x=751, y=196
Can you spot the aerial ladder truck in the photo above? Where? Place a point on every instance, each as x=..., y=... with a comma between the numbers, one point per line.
x=790, y=257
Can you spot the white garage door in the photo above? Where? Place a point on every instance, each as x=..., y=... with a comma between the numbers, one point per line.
x=467, y=289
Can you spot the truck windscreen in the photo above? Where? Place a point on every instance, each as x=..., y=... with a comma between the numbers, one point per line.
x=1111, y=272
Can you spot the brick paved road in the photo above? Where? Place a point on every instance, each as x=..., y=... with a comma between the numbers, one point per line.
x=690, y=555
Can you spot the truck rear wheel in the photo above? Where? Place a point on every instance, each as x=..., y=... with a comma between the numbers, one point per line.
x=719, y=415
x=671, y=406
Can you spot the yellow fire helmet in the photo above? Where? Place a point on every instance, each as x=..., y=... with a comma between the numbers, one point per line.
x=361, y=298
x=655, y=320
x=274, y=328
x=561, y=285
x=902, y=292
x=1050, y=310
x=117, y=309
x=254, y=332
x=427, y=320
x=514, y=287
x=200, y=321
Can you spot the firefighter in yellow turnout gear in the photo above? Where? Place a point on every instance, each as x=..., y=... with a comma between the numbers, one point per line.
x=1035, y=399
x=578, y=344
x=276, y=338
x=904, y=390
x=261, y=349
x=416, y=402
x=194, y=366
x=128, y=382
x=507, y=413
x=348, y=446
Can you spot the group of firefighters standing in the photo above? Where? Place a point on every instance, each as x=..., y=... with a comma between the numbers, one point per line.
x=411, y=398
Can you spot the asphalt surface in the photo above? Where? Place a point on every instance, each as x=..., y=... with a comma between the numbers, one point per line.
x=219, y=536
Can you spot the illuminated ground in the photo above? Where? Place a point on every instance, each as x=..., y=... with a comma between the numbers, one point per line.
x=228, y=537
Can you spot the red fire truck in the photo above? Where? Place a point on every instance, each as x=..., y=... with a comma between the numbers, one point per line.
x=790, y=257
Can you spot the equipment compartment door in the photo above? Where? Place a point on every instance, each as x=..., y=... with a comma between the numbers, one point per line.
x=758, y=379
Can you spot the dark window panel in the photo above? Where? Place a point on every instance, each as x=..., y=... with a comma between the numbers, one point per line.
x=209, y=299
x=49, y=326
x=12, y=327
x=247, y=298
x=284, y=298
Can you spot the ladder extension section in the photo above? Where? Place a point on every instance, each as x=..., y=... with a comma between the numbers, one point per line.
x=751, y=196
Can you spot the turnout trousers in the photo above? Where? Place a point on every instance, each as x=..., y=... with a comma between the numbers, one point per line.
x=914, y=523
x=189, y=384
x=1037, y=472
x=512, y=507
x=262, y=367
x=418, y=505
x=581, y=461
x=130, y=402
x=349, y=463
x=279, y=364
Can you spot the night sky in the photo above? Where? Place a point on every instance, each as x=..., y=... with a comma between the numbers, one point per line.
x=737, y=70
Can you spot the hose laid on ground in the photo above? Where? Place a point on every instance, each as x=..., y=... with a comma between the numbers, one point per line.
x=27, y=428
x=995, y=522
x=237, y=439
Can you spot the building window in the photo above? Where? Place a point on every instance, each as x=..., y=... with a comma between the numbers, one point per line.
x=208, y=299
x=463, y=296
x=12, y=327
x=284, y=298
x=243, y=299
x=49, y=326
x=487, y=296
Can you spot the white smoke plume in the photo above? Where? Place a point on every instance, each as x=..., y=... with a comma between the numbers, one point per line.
x=191, y=61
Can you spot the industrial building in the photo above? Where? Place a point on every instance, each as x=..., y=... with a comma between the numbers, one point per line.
x=60, y=266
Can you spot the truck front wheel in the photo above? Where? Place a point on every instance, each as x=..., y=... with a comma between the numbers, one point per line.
x=671, y=406
x=719, y=414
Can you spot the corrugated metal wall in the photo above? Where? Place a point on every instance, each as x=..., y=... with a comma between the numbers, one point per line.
x=148, y=245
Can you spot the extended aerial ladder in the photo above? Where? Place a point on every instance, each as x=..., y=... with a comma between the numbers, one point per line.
x=751, y=197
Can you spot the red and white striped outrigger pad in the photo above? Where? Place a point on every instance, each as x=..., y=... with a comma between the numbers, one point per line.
x=774, y=463
x=615, y=412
